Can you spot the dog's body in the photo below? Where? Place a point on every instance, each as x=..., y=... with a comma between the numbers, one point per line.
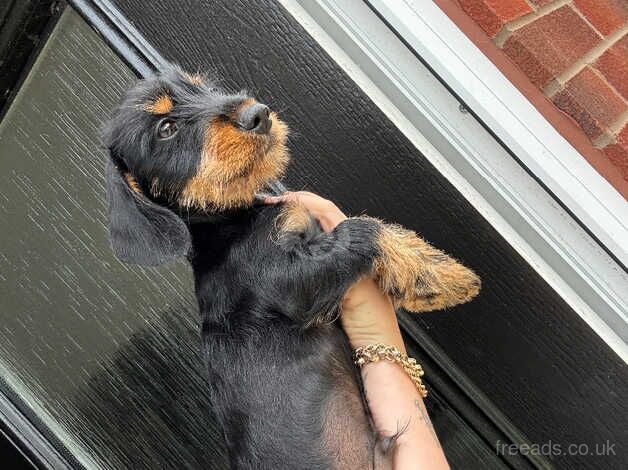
x=278, y=387
x=187, y=161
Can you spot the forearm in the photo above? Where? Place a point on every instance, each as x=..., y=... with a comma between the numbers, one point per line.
x=393, y=399
x=397, y=407
x=368, y=316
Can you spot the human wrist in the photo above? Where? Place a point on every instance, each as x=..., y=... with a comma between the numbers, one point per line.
x=361, y=335
x=368, y=317
x=380, y=352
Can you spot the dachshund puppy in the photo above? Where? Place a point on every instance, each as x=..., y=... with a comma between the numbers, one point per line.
x=187, y=162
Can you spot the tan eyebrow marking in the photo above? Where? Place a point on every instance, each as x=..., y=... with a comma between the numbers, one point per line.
x=162, y=105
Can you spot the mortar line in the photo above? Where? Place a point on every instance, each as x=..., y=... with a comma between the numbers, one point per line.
x=586, y=20
x=525, y=20
x=614, y=129
x=559, y=81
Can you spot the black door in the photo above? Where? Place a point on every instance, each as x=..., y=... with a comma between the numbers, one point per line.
x=100, y=361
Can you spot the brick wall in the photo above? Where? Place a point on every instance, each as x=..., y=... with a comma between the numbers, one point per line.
x=574, y=52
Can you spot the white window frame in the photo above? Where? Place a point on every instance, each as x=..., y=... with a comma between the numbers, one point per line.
x=558, y=246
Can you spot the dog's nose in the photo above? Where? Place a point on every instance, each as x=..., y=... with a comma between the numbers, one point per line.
x=255, y=118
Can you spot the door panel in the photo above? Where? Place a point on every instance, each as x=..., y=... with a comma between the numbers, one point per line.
x=102, y=357
x=519, y=342
x=106, y=355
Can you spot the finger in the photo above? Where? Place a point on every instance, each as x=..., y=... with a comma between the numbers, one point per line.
x=307, y=193
x=286, y=196
x=272, y=199
x=292, y=196
x=310, y=195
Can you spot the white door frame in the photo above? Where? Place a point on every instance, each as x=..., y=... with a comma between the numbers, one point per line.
x=556, y=242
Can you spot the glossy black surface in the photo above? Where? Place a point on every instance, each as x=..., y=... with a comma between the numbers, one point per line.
x=519, y=342
x=104, y=357
x=105, y=354
x=24, y=25
x=11, y=456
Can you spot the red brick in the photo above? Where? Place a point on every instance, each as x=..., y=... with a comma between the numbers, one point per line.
x=540, y=3
x=605, y=15
x=589, y=100
x=617, y=153
x=622, y=138
x=618, y=157
x=492, y=15
x=613, y=64
x=550, y=44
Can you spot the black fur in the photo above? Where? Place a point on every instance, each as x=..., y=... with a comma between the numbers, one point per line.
x=273, y=360
x=141, y=231
x=276, y=361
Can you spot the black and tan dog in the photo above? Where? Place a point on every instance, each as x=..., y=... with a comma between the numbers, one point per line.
x=187, y=161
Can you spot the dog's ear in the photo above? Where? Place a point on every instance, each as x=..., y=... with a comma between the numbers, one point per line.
x=141, y=231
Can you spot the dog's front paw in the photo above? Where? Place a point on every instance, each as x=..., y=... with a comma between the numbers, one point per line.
x=441, y=285
x=419, y=277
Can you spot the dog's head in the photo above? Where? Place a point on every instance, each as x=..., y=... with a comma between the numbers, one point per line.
x=178, y=142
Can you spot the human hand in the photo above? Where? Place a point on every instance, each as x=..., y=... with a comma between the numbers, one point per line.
x=323, y=210
x=367, y=314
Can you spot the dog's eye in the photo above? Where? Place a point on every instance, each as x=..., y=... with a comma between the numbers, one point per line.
x=166, y=128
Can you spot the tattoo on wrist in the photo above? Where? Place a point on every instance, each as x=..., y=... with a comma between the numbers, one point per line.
x=424, y=418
